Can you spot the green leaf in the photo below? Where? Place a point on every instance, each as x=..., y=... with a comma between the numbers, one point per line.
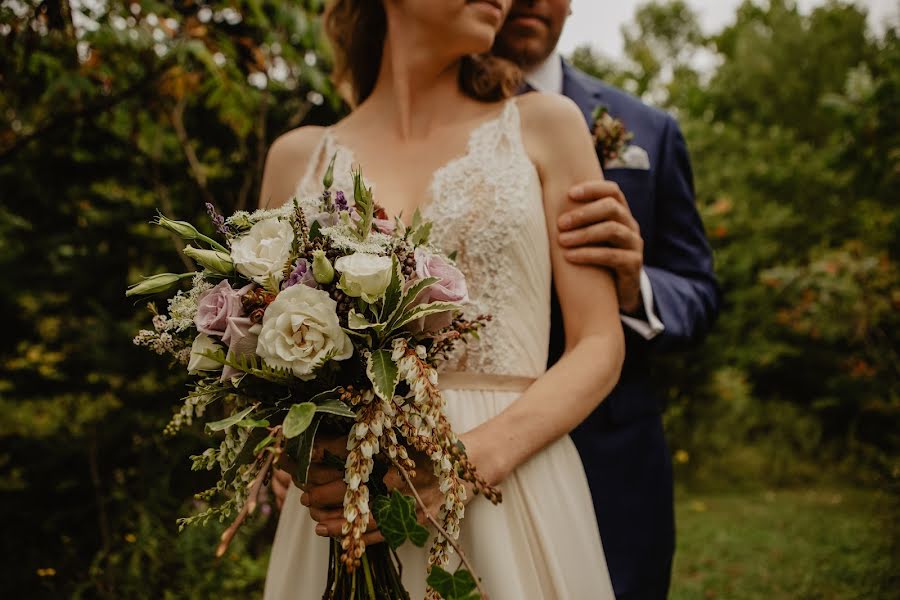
x=305, y=448
x=253, y=423
x=358, y=321
x=396, y=516
x=298, y=419
x=383, y=373
x=245, y=455
x=409, y=296
x=365, y=205
x=453, y=586
x=425, y=310
x=394, y=292
x=315, y=230
x=335, y=407
x=229, y=421
x=421, y=233
x=266, y=441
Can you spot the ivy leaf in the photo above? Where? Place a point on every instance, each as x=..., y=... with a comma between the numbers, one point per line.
x=396, y=516
x=305, y=448
x=229, y=421
x=383, y=373
x=298, y=419
x=453, y=586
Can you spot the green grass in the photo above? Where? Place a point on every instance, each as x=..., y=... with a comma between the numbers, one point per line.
x=819, y=543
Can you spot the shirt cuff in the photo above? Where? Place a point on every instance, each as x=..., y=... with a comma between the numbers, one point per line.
x=652, y=327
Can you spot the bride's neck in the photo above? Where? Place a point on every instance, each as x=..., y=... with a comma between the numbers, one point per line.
x=416, y=87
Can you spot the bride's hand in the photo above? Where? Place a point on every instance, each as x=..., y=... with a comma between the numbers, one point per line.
x=325, y=496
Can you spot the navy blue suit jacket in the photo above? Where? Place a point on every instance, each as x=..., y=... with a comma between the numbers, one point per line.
x=622, y=444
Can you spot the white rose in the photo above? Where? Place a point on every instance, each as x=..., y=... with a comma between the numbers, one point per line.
x=263, y=251
x=198, y=362
x=300, y=330
x=364, y=275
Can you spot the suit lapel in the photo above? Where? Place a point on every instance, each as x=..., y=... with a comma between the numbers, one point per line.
x=577, y=88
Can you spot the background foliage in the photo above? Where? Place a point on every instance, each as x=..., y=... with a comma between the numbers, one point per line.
x=111, y=109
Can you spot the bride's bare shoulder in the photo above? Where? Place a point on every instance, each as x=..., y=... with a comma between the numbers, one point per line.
x=286, y=163
x=544, y=113
x=551, y=123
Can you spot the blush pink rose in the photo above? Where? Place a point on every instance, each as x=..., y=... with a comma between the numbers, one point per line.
x=240, y=336
x=387, y=226
x=216, y=305
x=452, y=284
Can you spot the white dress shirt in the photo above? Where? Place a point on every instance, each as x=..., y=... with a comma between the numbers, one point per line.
x=547, y=77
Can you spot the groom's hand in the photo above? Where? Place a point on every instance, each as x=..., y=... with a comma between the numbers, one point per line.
x=602, y=232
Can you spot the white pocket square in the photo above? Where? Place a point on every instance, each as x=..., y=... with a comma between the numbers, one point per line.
x=634, y=157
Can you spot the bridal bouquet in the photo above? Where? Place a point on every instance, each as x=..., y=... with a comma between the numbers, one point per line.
x=324, y=317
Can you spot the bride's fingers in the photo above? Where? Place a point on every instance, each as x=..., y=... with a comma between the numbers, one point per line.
x=373, y=538
x=321, y=515
x=322, y=496
x=319, y=474
x=333, y=527
x=333, y=445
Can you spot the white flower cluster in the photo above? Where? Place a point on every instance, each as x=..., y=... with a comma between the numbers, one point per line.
x=424, y=424
x=183, y=305
x=342, y=236
x=193, y=407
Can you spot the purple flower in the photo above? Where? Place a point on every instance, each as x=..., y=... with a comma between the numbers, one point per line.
x=301, y=274
x=217, y=219
x=340, y=201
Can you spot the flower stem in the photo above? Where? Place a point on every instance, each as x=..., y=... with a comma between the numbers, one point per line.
x=440, y=528
x=368, y=573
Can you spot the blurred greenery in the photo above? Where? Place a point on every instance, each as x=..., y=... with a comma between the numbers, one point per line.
x=109, y=110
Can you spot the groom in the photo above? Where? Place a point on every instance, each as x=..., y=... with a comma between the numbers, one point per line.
x=642, y=224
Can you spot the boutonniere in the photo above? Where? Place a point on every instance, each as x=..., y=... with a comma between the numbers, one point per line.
x=611, y=137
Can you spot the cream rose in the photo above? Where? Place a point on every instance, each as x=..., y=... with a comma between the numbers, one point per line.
x=203, y=343
x=364, y=276
x=263, y=251
x=300, y=329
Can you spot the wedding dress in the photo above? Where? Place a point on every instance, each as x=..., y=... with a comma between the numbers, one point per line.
x=541, y=542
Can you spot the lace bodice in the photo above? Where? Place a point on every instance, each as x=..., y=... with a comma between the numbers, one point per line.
x=488, y=206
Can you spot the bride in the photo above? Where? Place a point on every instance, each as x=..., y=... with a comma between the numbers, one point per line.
x=436, y=129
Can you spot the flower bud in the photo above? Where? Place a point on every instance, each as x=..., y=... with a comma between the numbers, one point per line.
x=156, y=284
x=211, y=260
x=182, y=229
x=323, y=272
x=328, y=179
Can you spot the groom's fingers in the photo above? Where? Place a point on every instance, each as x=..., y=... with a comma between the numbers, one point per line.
x=607, y=233
x=319, y=474
x=597, y=211
x=612, y=258
x=589, y=191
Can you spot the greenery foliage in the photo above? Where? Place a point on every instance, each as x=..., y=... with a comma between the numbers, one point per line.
x=108, y=113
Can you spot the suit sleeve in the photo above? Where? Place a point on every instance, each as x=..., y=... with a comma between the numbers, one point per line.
x=679, y=262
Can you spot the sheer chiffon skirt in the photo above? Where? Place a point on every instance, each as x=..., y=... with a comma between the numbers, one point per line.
x=540, y=543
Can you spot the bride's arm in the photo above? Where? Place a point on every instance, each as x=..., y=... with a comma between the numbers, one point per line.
x=559, y=145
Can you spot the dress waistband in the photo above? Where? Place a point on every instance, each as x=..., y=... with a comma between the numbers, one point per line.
x=460, y=380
